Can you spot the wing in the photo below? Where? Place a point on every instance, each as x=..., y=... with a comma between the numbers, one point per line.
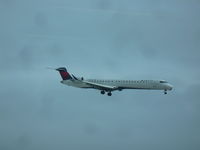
x=101, y=86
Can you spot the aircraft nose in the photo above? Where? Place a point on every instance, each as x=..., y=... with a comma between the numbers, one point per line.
x=170, y=87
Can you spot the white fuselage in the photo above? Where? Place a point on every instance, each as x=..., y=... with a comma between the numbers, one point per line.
x=123, y=84
x=108, y=86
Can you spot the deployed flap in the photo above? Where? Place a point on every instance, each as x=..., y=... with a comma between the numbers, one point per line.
x=101, y=86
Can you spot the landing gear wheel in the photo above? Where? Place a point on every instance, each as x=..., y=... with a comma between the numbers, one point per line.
x=109, y=94
x=102, y=92
x=165, y=92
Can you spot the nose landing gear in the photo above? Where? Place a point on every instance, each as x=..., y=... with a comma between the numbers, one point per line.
x=165, y=91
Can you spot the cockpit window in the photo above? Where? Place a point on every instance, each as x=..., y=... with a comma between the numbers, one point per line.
x=163, y=81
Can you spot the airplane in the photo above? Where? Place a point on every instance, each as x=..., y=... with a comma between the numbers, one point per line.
x=108, y=86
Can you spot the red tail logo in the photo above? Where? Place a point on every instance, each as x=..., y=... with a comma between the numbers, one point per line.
x=64, y=74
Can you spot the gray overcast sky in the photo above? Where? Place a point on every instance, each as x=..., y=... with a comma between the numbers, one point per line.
x=120, y=39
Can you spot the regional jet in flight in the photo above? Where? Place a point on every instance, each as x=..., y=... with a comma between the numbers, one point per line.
x=108, y=86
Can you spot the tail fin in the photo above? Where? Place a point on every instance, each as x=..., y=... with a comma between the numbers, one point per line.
x=64, y=74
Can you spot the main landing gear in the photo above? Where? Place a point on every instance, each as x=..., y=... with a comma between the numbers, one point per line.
x=109, y=93
x=102, y=92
